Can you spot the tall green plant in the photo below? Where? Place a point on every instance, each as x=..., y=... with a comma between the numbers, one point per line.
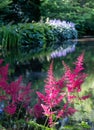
x=22, y=11
x=10, y=38
x=10, y=44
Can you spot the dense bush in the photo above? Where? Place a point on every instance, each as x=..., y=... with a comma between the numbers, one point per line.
x=80, y=12
x=20, y=11
x=4, y=8
x=36, y=37
x=64, y=30
x=21, y=42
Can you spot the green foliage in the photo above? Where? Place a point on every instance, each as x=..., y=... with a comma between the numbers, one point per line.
x=38, y=126
x=22, y=11
x=63, y=30
x=4, y=9
x=9, y=41
x=36, y=37
x=78, y=11
x=10, y=38
x=2, y=128
x=4, y=3
x=22, y=42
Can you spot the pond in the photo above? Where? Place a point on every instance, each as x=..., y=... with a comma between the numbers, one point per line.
x=68, y=52
x=36, y=68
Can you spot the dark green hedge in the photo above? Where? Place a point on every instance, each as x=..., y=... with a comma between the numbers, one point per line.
x=22, y=42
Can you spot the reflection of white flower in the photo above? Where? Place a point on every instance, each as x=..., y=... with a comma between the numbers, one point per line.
x=62, y=51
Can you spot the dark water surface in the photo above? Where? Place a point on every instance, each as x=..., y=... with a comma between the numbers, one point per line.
x=69, y=55
x=68, y=51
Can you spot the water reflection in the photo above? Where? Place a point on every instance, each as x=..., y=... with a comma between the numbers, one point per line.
x=67, y=47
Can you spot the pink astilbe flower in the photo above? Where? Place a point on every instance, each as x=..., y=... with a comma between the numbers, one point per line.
x=3, y=70
x=64, y=90
x=13, y=89
x=24, y=95
x=37, y=109
x=1, y=61
x=47, y=110
x=14, y=93
x=53, y=94
x=85, y=97
x=75, y=78
x=3, y=97
x=3, y=84
x=66, y=111
x=11, y=109
x=79, y=64
x=49, y=113
x=50, y=80
x=17, y=94
x=71, y=97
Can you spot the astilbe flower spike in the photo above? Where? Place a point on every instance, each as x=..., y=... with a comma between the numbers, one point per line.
x=52, y=96
x=19, y=94
x=13, y=93
x=3, y=70
x=76, y=77
x=10, y=109
x=3, y=80
x=65, y=90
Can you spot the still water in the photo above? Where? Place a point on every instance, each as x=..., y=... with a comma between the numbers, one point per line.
x=69, y=51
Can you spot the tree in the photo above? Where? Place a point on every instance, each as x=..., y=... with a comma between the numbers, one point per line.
x=80, y=12
x=23, y=11
x=4, y=8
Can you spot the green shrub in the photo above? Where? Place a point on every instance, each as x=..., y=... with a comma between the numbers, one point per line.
x=21, y=42
x=80, y=12
x=27, y=40
x=36, y=37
